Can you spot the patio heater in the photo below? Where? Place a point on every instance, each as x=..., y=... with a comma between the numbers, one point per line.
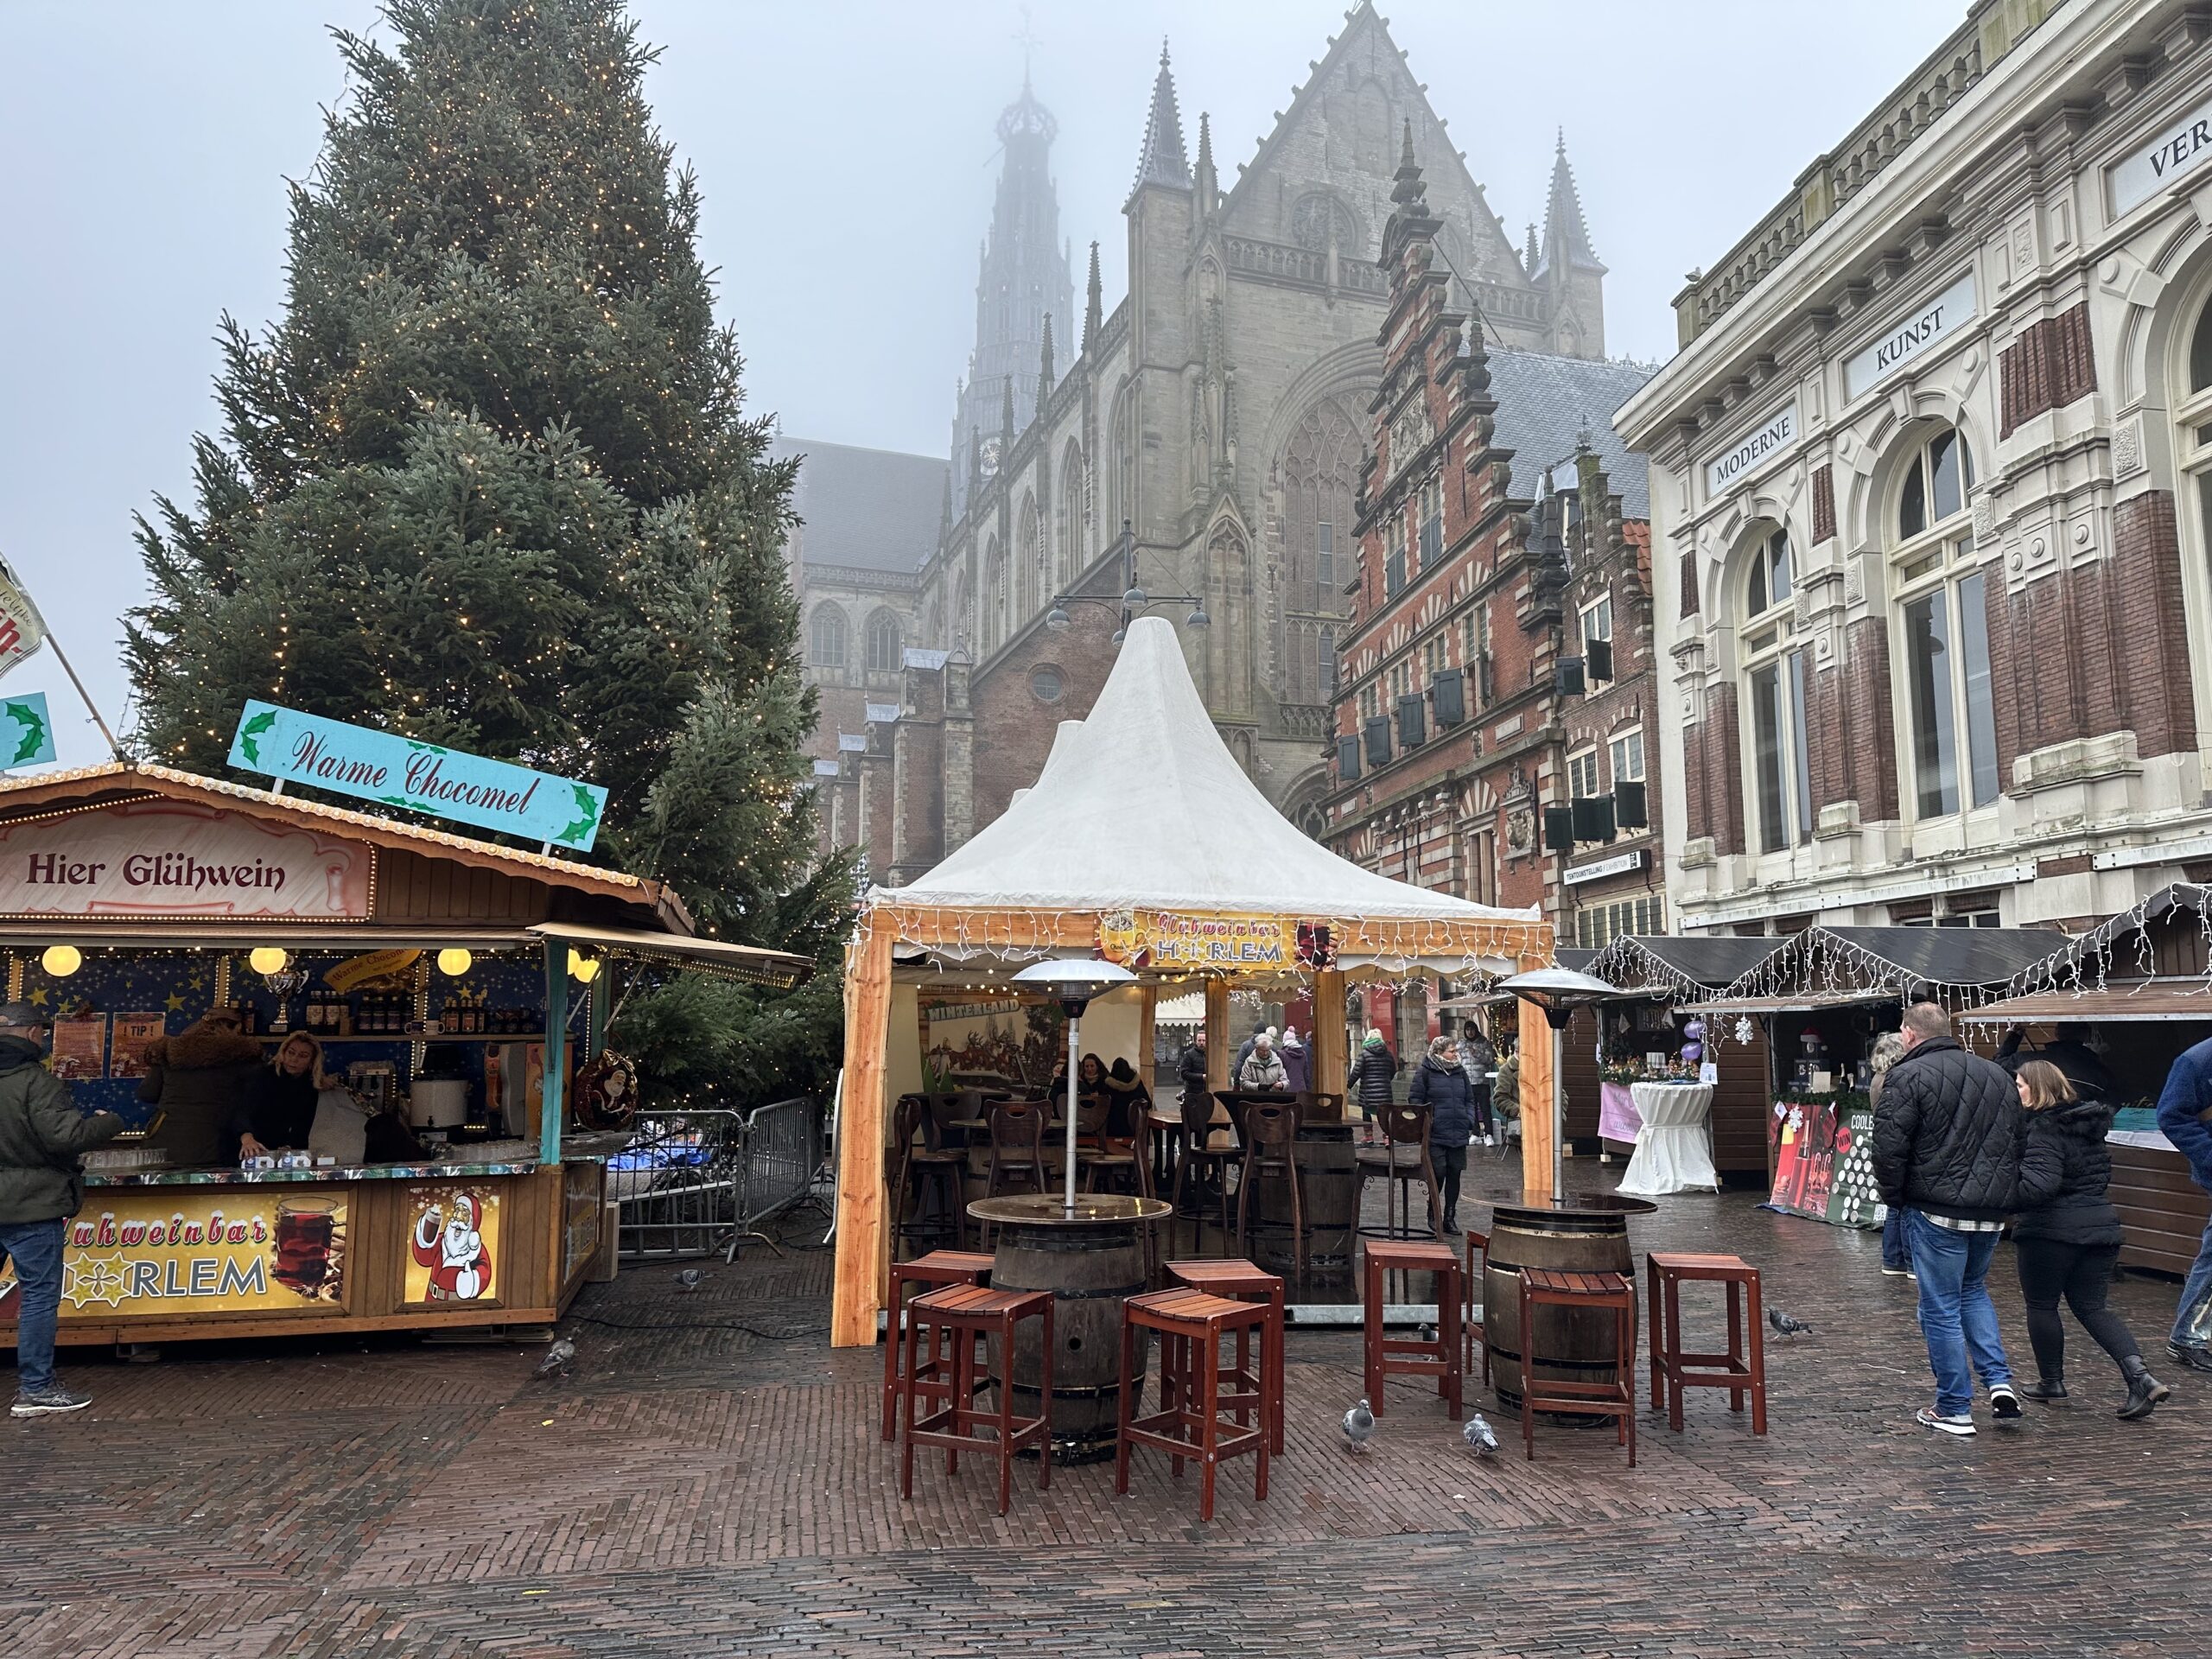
x=1559, y=992
x=1074, y=982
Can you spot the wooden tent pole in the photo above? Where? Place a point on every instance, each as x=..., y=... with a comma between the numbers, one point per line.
x=862, y=1235
x=1326, y=1044
x=1220, y=1051
x=1147, y=1009
x=1537, y=1128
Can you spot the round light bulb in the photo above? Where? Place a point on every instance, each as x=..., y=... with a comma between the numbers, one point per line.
x=454, y=961
x=582, y=968
x=268, y=959
x=61, y=960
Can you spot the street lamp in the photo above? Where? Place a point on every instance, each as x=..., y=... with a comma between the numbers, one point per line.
x=1559, y=992
x=1133, y=602
x=1074, y=981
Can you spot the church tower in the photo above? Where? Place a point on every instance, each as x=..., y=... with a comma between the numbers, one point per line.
x=1025, y=279
x=1567, y=267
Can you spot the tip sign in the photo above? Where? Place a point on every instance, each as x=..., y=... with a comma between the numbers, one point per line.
x=373, y=765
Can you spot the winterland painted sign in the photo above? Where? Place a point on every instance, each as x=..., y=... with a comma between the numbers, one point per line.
x=26, y=733
x=177, y=858
x=372, y=766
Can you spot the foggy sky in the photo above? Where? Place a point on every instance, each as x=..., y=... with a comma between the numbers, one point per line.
x=846, y=154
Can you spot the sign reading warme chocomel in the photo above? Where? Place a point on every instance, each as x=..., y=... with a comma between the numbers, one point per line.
x=375, y=766
x=174, y=858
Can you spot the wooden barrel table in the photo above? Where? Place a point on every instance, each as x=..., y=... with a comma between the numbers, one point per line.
x=1586, y=1233
x=1091, y=1258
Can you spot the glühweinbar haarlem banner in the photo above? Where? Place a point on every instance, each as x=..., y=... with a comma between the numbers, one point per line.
x=1214, y=941
x=373, y=765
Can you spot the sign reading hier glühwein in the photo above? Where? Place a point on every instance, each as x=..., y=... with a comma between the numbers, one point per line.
x=375, y=766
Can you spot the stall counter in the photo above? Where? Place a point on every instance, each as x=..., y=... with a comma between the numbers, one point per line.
x=169, y=1256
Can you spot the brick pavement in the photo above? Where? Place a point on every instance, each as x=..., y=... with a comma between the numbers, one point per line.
x=709, y=1482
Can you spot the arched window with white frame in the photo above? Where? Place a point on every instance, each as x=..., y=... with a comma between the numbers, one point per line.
x=1776, y=682
x=2192, y=402
x=886, y=651
x=1947, y=713
x=825, y=636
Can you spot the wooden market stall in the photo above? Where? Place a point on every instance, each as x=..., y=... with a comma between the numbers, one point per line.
x=1822, y=997
x=2132, y=994
x=1665, y=980
x=452, y=979
x=1143, y=841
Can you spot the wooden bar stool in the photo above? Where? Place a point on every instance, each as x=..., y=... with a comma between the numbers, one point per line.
x=1741, y=1370
x=1243, y=1281
x=1439, y=1358
x=1188, y=1424
x=1271, y=1149
x=1584, y=1292
x=934, y=1379
x=1401, y=1159
x=973, y=1314
x=1474, y=1316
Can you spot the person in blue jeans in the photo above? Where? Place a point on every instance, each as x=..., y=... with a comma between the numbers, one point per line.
x=2182, y=1106
x=41, y=1185
x=1951, y=1146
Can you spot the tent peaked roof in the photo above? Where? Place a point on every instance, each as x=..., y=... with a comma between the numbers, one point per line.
x=1143, y=805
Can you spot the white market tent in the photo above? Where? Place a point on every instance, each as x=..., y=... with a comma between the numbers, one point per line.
x=1140, y=807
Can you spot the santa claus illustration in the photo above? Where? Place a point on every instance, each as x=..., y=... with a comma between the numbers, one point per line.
x=460, y=1265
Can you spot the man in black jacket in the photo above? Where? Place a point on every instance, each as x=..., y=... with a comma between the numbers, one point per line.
x=1948, y=1138
x=41, y=1185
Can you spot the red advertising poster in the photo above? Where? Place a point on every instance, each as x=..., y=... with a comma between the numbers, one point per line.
x=132, y=1033
x=80, y=1048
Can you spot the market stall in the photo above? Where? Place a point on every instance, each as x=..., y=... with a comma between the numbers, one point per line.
x=167, y=919
x=1664, y=982
x=2120, y=1003
x=1142, y=841
x=1822, y=997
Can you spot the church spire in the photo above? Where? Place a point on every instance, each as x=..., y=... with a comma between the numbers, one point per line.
x=1045, y=366
x=1093, y=315
x=1566, y=237
x=1208, y=185
x=1163, y=161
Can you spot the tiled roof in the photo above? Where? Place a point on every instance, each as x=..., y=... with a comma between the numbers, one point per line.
x=866, y=509
x=1545, y=405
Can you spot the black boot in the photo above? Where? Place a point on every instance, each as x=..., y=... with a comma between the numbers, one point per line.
x=2047, y=1386
x=2144, y=1390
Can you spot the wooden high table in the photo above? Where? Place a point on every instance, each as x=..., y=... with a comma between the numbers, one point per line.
x=1092, y=1259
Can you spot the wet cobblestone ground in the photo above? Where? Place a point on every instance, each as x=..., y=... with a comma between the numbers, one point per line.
x=709, y=1481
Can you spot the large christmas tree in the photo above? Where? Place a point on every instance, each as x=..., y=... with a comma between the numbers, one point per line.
x=488, y=482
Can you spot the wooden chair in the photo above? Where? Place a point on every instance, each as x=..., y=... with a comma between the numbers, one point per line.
x=1439, y=1357
x=1243, y=1281
x=1017, y=1150
x=978, y=1317
x=1190, y=1324
x=1473, y=1314
x=1586, y=1293
x=926, y=1169
x=933, y=1380
x=1197, y=1155
x=1271, y=1149
x=1741, y=1370
x=1401, y=1159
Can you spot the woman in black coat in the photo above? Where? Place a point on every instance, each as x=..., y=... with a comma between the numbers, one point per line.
x=2069, y=1245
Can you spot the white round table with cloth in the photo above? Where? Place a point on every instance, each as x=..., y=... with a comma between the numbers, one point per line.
x=1674, y=1149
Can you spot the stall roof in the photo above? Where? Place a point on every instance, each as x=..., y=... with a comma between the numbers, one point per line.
x=1877, y=963
x=116, y=781
x=2141, y=999
x=2091, y=953
x=1685, y=967
x=1142, y=804
x=715, y=958
x=1806, y=1002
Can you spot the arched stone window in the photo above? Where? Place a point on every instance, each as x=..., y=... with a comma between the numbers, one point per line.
x=1125, y=461
x=963, y=633
x=1776, y=682
x=1027, y=560
x=825, y=636
x=2192, y=404
x=1070, y=545
x=885, y=647
x=997, y=599
x=1947, y=713
x=1320, y=476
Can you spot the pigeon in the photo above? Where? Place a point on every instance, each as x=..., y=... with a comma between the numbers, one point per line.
x=1480, y=1437
x=557, y=1358
x=687, y=1279
x=1427, y=1333
x=1788, y=1327
x=1359, y=1423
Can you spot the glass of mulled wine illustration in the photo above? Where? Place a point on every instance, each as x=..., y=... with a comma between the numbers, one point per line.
x=305, y=1229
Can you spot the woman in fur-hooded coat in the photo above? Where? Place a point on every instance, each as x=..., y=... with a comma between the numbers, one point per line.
x=199, y=1081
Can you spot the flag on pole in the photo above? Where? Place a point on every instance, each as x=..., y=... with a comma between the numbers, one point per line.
x=22, y=630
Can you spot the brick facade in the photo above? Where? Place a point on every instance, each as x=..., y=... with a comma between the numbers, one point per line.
x=2051, y=366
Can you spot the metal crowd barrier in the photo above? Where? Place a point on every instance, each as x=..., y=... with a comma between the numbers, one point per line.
x=694, y=1182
